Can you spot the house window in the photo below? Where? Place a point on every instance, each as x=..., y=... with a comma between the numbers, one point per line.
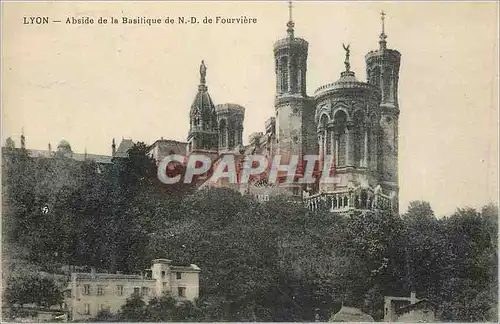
x=179, y=275
x=181, y=291
x=86, y=289
x=145, y=291
x=119, y=290
x=163, y=274
x=137, y=290
x=87, y=309
x=165, y=285
x=100, y=290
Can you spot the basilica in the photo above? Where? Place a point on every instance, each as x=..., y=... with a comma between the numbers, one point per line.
x=355, y=122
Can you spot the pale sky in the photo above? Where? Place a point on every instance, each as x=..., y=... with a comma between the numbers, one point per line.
x=89, y=83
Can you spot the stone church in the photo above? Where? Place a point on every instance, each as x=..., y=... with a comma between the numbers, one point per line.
x=354, y=121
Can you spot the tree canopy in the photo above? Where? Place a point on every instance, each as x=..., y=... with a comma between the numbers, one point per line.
x=274, y=261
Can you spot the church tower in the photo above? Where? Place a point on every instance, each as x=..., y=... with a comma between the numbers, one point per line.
x=382, y=70
x=230, y=119
x=295, y=128
x=203, y=135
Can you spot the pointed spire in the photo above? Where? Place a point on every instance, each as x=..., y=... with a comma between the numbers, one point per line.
x=290, y=23
x=9, y=143
x=113, y=147
x=23, y=139
x=383, y=36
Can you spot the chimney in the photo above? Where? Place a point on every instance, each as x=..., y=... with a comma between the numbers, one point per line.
x=413, y=297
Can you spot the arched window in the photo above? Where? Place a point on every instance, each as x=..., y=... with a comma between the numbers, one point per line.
x=222, y=133
x=363, y=198
x=374, y=142
x=231, y=137
x=284, y=74
x=359, y=138
x=374, y=77
x=299, y=80
x=387, y=84
x=323, y=122
x=339, y=121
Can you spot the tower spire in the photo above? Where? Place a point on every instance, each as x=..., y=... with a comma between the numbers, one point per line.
x=383, y=36
x=23, y=139
x=290, y=23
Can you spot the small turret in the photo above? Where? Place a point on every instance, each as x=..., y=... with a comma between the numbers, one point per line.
x=203, y=135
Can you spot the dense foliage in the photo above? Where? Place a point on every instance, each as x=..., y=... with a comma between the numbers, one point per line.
x=260, y=262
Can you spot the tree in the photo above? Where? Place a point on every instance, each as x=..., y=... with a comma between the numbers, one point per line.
x=32, y=288
x=104, y=316
x=134, y=310
x=162, y=309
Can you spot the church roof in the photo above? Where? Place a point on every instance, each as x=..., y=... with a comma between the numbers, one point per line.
x=123, y=148
x=347, y=80
x=202, y=103
x=229, y=106
x=64, y=144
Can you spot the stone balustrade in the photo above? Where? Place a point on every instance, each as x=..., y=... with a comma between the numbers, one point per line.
x=343, y=201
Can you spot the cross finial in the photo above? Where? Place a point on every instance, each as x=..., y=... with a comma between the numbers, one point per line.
x=290, y=23
x=382, y=17
x=383, y=36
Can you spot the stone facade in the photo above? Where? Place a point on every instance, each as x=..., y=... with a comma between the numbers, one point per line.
x=351, y=122
x=90, y=293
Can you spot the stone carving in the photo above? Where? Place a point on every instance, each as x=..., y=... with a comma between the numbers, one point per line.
x=347, y=53
x=203, y=72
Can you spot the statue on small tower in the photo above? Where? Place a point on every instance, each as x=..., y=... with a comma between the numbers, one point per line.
x=347, y=53
x=203, y=72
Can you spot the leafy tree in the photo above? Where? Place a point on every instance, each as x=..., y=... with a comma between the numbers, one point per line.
x=134, y=310
x=32, y=289
x=104, y=316
x=162, y=309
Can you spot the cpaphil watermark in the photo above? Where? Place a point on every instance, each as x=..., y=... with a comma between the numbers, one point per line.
x=244, y=169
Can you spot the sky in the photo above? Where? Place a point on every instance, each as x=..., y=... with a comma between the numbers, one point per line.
x=88, y=84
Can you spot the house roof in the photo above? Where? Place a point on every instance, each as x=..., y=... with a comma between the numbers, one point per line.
x=418, y=305
x=102, y=159
x=105, y=276
x=34, y=153
x=351, y=314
